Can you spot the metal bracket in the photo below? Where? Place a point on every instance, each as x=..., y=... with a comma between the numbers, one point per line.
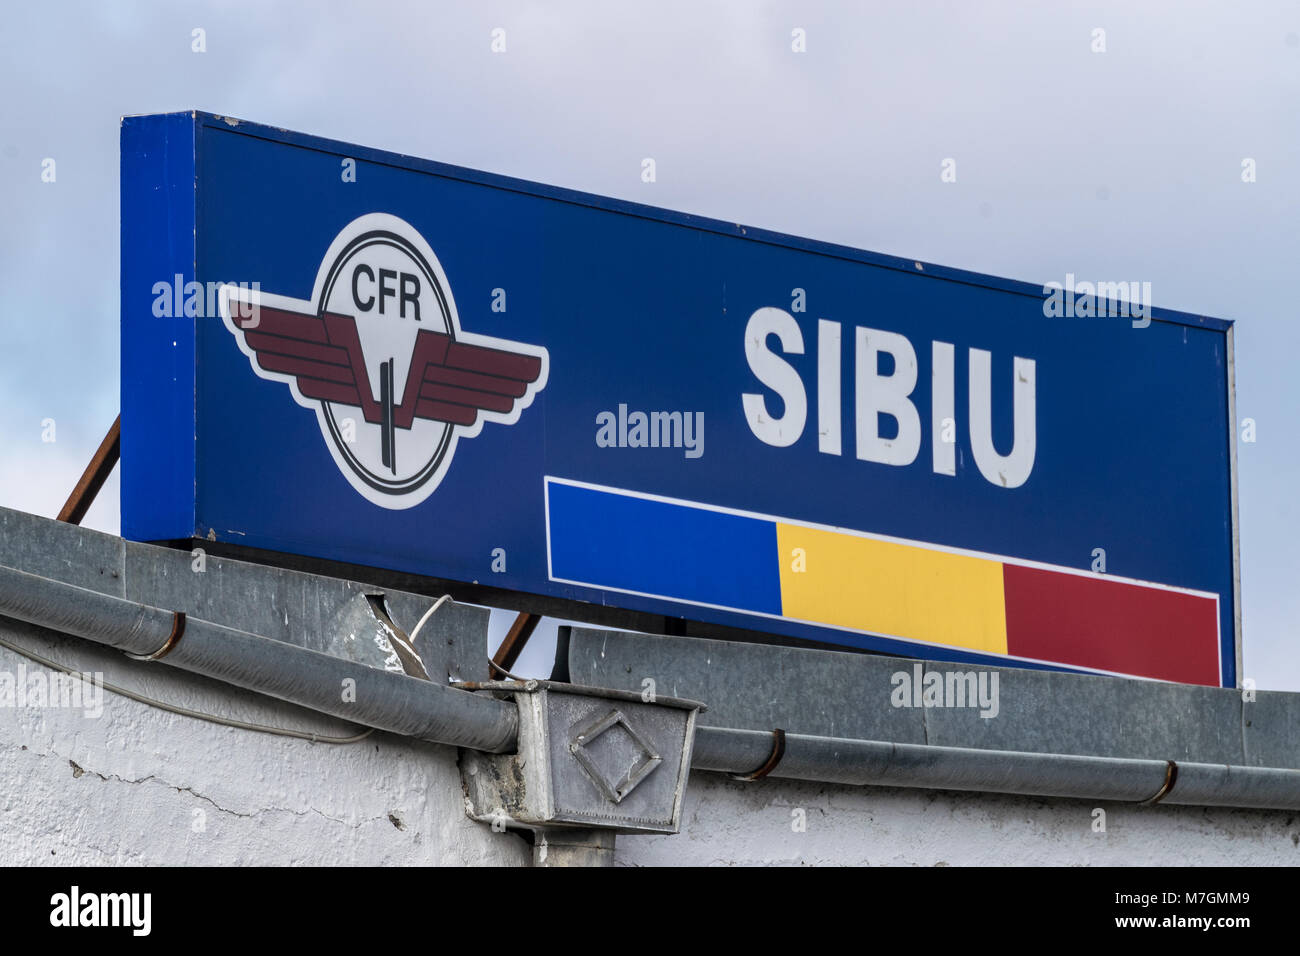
x=1171, y=777
x=773, y=759
x=178, y=629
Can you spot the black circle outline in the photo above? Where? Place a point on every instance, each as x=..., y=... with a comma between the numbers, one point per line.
x=387, y=237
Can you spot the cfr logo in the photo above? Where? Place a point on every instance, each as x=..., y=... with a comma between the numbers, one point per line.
x=378, y=353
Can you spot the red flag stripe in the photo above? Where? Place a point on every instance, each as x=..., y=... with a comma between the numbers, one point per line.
x=1111, y=625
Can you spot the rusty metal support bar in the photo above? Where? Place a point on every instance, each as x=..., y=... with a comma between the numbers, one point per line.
x=520, y=631
x=93, y=478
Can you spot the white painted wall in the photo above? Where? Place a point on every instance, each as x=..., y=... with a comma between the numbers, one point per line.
x=153, y=788
x=730, y=823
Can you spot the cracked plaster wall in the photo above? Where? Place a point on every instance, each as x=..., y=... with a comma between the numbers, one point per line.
x=725, y=822
x=138, y=785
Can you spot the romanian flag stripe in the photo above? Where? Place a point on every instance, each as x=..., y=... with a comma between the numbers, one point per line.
x=1108, y=625
x=696, y=554
x=879, y=587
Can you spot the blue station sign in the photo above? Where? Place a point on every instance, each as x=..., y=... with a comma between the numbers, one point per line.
x=351, y=355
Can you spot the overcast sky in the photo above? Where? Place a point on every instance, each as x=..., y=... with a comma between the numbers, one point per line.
x=1122, y=164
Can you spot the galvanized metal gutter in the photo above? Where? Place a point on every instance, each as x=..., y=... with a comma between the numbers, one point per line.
x=884, y=764
x=382, y=699
x=431, y=711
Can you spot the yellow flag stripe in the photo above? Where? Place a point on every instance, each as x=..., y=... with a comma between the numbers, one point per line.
x=886, y=588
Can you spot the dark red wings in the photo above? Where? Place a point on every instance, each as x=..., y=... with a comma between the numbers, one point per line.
x=449, y=381
x=453, y=381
